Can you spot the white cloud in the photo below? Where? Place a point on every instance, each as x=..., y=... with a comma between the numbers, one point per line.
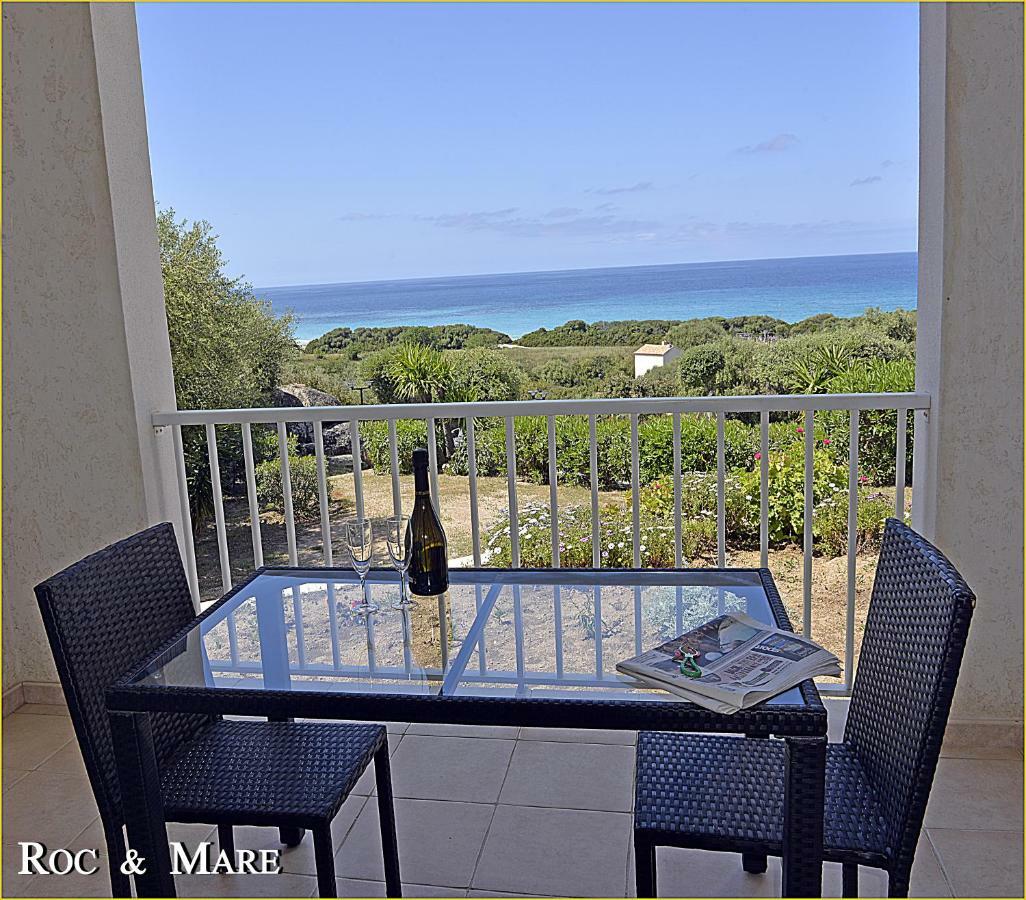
x=776, y=144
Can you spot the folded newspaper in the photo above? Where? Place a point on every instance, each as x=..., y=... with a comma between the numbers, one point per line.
x=731, y=662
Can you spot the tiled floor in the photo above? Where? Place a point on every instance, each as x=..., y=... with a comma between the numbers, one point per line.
x=492, y=812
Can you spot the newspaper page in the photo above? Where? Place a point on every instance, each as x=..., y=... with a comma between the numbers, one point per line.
x=740, y=662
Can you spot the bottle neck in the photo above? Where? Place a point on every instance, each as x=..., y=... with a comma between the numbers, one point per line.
x=420, y=481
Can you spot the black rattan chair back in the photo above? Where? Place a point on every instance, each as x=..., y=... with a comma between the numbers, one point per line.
x=915, y=633
x=103, y=616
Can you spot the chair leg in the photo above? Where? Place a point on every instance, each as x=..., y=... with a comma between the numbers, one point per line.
x=755, y=863
x=120, y=883
x=898, y=882
x=644, y=866
x=226, y=840
x=289, y=836
x=324, y=857
x=386, y=814
x=849, y=879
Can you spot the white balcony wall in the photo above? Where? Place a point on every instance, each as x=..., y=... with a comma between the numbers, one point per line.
x=970, y=337
x=85, y=346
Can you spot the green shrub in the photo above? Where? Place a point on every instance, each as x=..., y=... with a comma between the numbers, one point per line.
x=699, y=369
x=573, y=455
x=695, y=333
x=830, y=528
x=785, y=498
x=409, y=433
x=303, y=477
x=697, y=445
x=878, y=429
x=481, y=374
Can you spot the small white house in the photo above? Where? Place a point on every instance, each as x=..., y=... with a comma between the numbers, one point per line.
x=648, y=356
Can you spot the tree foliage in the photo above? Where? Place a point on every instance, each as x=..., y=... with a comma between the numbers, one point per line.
x=227, y=348
x=440, y=337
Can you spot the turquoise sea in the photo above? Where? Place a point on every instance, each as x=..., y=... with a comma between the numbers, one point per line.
x=515, y=303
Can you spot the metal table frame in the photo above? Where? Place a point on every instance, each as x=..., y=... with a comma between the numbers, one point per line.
x=802, y=725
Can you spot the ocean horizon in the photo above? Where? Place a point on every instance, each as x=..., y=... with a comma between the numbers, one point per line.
x=515, y=303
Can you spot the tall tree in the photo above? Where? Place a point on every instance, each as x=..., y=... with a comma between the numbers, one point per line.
x=227, y=347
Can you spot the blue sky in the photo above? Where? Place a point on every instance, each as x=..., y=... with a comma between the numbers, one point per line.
x=359, y=142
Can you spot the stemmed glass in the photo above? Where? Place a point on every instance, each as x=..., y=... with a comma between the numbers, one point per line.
x=400, y=549
x=360, y=540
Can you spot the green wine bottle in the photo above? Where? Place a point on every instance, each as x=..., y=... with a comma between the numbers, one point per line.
x=429, y=564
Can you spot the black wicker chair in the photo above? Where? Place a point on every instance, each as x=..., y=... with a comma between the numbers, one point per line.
x=727, y=793
x=104, y=616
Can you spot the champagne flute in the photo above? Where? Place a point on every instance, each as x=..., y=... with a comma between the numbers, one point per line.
x=400, y=551
x=360, y=540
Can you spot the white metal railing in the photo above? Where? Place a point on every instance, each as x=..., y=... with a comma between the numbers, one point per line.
x=634, y=409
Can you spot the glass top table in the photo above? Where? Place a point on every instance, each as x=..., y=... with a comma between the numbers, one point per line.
x=495, y=633
x=525, y=647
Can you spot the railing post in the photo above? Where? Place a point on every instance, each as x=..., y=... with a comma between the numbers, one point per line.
x=251, y=494
x=393, y=458
x=553, y=492
x=807, y=525
x=721, y=498
x=183, y=499
x=322, y=494
x=678, y=525
x=853, y=531
x=596, y=536
x=764, y=489
x=511, y=488
x=218, y=498
x=899, y=466
x=635, y=491
x=357, y=451
x=286, y=491
x=475, y=513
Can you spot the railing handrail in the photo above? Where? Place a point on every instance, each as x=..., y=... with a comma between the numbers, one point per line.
x=621, y=406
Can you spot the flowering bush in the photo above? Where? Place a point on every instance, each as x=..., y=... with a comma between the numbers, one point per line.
x=575, y=546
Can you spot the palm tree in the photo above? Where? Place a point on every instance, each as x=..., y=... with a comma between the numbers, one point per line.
x=424, y=375
x=420, y=373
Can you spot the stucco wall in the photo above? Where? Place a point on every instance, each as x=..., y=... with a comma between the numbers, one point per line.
x=970, y=337
x=74, y=441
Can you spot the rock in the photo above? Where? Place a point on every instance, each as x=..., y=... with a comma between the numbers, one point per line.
x=336, y=434
x=302, y=395
x=337, y=440
x=339, y=465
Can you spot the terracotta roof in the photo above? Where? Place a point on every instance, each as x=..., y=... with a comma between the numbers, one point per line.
x=654, y=349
